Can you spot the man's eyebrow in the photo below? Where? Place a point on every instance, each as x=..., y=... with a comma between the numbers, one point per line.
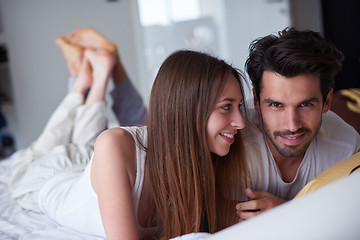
x=269, y=100
x=312, y=99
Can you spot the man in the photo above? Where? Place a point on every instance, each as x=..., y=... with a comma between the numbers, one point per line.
x=291, y=134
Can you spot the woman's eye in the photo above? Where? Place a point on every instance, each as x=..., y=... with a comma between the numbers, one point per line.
x=226, y=107
x=241, y=104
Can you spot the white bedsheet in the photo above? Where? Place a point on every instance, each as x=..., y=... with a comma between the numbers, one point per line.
x=17, y=223
x=332, y=212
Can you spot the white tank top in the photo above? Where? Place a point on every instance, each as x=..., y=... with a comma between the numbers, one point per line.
x=70, y=199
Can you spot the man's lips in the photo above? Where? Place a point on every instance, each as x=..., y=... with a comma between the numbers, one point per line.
x=292, y=140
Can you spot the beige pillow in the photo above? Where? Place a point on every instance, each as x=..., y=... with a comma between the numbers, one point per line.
x=336, y=171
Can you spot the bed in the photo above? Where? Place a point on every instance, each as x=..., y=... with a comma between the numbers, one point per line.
x=331, y=212
x=17, y=223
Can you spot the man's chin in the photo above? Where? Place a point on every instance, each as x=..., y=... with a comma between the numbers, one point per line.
x=291, y=151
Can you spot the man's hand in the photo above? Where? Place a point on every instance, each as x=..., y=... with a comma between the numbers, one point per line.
x=261, y=201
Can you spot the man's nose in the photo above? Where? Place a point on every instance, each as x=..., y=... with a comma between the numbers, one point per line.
x=292, y=120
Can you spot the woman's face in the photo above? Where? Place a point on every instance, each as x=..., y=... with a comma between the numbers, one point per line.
x=225, y=119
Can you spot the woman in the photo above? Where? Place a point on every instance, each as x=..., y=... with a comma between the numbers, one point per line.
x=193, y=153
x=170, y=178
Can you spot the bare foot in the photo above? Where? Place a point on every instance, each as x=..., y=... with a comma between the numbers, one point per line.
x=89, y=38
x=102, y=63
x=73, y=55
x=85, y=78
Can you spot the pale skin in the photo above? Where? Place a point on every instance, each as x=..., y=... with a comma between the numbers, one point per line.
x=90, y=38
x=291, y=109
x=73, y=55
x=114, y=166
x=94, y=72
x=102, y=62
x=219, y=130
x=113, y=182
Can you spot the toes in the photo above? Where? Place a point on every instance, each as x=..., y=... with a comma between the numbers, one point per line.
x=60, y=41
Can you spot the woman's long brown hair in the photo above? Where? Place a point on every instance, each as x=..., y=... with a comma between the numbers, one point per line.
x=191, y=186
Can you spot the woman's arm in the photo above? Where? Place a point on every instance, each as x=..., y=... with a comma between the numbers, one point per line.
x=113, y=177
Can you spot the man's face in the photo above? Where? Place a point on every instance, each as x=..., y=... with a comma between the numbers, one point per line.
x=291, y=110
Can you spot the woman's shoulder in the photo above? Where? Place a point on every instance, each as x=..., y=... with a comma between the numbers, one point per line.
x=124, y=132
x=114, y=155
x=117, y=134
x=114, y=140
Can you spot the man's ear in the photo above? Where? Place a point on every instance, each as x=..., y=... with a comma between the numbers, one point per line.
x=327, y=103
x=256, y=101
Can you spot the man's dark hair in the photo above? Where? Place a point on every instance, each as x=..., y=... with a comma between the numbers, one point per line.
x=293, y=52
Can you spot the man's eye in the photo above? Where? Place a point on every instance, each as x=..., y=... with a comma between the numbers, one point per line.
x=275, y=105
x=306, y=104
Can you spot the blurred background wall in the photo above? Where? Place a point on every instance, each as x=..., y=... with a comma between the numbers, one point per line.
x=34, y=75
